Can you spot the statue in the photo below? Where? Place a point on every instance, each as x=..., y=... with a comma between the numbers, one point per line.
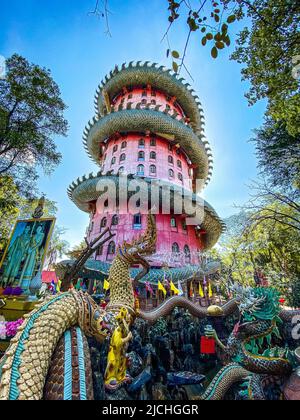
x=32, y=257
x=15, y=256
x=115, y=373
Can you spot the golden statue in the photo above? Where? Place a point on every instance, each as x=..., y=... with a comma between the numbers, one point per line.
x=117, y=362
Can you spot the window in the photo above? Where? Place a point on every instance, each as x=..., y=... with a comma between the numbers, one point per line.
x=124, y=145
x=153, y=142
x=175, y=248
x=171, y=160
x=130, y=96
x=170, y=147
x=113, y=161
x=184, y=226
x=115, y=149
x=103, y=222
x=171, y=173
x=121, y=170
x=122, y=157
x=179, y=164
x=99, y=251
x=144, y=101
x=153, y=102
x=141, y=156
x=168, y=107
x=115, y=220
x=180, y=177
x=111, y=248
x=144, y=93
x=137, y=221
x=141, y=170
x=187, y=254
x=173, y=222
x=153, y=155
x=153, y=93
x=142, y=143
x=153, y=170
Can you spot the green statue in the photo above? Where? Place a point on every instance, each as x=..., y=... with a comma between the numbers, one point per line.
x=33, y=257
x=15, y=256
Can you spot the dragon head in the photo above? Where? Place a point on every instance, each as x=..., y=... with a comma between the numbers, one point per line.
x=256, y=305
x=145, y=245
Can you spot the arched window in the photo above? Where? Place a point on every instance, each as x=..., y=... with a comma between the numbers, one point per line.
x=115, y=220
x=144, y=93
x=175, y=248
x=184, y=226
x=153, y=170
x=111, y=248
x=137, y=221
x=142, y=143
x=171, y=160
x=124, y=145
x=153, y=142
x=173, y=222
x=153, y=155
x=122, y=157
x=113, y=161
x=153, y=102
x=187, y=254
x=171, y=173
x=179, y=164
x=121, y=170
x=141, y=156
x=141, y=170
x=115, y=149
x=104, y=222
x=180, y=177
x=144, y=101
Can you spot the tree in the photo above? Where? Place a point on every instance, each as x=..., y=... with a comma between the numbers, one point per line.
x=31, y=114
x=58, y=247
x=9, y=198
x=278, y=155
x=77, y=250
x=266, y=50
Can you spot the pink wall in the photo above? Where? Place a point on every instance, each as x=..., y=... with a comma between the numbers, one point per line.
x=167, y=235
x=161, y=162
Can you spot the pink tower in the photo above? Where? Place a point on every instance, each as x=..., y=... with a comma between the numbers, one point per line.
x=149, y=125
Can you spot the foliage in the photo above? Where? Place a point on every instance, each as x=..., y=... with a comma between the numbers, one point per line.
x=9, y=199
x=58, y=247
x=77, y=250
x=266, y=50
x=278, y=155
x=31, y=113
x=267, y=252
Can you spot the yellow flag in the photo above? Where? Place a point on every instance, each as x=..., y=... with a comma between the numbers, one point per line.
x=58, y=286
x=106, y=285
x=201, y=292
x=210, y=292
x=162, y=289
x=174, y=288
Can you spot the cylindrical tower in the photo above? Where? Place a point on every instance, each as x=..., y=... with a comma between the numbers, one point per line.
x=149, y=125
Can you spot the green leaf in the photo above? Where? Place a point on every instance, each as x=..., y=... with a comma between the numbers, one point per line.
x=175, y=66
x=214, y=52
x=175, y=54
x=231, y=19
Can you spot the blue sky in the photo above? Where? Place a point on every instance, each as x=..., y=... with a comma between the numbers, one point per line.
x=62, y=36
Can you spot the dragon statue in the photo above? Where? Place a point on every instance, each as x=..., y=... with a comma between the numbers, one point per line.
x=49, y=356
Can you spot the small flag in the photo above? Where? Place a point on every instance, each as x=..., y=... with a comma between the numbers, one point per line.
x=149, y=288
x=201, y=291
x=161, y=288
x=58, y=286
x=180, y=289
x=106, y=285
x=191, y=291
x=174, y=288
x=210, y=291
x=52, y=287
